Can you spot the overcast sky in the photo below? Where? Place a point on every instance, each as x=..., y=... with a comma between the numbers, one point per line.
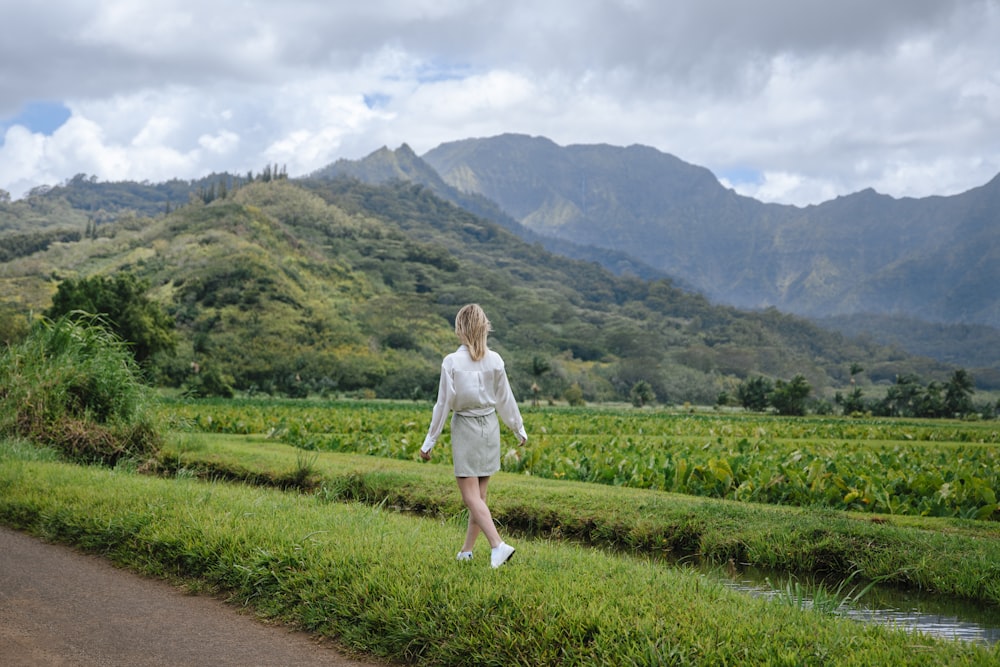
x=793, y=101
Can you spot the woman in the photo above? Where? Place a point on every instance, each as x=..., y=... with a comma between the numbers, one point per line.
x=474, y=386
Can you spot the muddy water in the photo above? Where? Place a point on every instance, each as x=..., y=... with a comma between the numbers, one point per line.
x=915, y=611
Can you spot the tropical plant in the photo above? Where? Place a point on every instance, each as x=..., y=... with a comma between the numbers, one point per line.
x=754, y=393
x=853, y=403
x=122, y=303
x=641, y=394
x=789, y=398
x=958, y=393
x=74, y=385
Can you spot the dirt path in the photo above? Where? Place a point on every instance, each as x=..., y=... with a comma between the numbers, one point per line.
x=61, y=607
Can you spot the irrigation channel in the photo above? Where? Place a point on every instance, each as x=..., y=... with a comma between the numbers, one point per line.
x=916, y=611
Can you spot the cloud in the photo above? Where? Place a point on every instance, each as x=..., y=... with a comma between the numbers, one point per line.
x=817, y=99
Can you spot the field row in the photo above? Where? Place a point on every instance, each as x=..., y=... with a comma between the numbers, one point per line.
x=928, y=468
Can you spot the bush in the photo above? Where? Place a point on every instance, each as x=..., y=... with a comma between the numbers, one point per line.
x=789, y=398
x=574, y=395
x=73, y=385
x=210, y=381
x=641, y=394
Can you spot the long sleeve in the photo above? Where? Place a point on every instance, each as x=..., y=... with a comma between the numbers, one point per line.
x=473, y=388
x=446, y=395
x=506, y=405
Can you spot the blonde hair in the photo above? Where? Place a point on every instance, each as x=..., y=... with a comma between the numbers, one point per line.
x=472, y=327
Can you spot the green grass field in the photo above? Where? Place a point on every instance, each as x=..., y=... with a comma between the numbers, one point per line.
x=321, y=516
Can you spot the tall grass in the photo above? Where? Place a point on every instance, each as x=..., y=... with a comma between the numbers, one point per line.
x=73, y=385
x=822, y=597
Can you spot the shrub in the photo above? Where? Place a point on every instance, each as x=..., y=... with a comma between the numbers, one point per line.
x=641, y=394
x=73, y=385
x=574, y=395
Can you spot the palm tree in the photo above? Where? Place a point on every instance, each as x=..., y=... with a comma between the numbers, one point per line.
x=539, y=367
x=958, y=393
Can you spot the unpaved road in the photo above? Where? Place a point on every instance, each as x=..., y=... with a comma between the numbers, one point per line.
x=62, y=607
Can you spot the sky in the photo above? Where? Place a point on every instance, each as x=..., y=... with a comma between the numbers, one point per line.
x=788, y=101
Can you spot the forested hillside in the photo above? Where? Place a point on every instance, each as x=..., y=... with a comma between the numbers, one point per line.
x=338, y=286
x=385, y=166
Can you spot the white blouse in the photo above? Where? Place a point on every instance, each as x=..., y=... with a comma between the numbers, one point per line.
x=473, y=389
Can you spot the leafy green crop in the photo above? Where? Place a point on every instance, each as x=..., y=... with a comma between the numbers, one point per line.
x=890, y=466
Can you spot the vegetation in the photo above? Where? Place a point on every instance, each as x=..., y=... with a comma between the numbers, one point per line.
x=339, y=288
x=909, y=397
x=75, y=386
x=387, y=583
x=945, y=555
x=21, y=245
x=121, y=302
x=912, y=467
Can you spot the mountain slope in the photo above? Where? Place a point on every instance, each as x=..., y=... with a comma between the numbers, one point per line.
x=347, y=287
x=931, y=258
x=385, y=166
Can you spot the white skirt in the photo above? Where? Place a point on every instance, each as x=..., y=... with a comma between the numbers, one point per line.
x=475, y=445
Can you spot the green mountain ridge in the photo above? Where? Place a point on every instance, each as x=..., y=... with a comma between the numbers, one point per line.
x=859, y=271
x=340, y=286
x=385, y=166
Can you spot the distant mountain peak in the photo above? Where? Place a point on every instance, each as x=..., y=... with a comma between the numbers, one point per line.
x=932, y=258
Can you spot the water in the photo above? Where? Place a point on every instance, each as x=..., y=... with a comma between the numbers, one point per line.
x=932, y=614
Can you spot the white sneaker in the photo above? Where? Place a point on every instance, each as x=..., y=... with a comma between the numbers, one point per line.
x=464, y=555
x=501, y=554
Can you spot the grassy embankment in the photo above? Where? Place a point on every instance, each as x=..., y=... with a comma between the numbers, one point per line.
x=386, y=583
x=951, y=556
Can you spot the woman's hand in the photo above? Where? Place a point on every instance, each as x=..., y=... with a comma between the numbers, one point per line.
x=426, y=456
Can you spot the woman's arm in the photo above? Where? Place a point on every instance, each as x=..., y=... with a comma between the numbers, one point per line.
x=446, y=395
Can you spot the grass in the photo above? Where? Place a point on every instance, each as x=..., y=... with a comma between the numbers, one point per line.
x=952, y=556
x=823, y=597
x=387, y=584
x=73, y=385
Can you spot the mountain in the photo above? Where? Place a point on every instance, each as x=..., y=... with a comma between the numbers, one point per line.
x=934, y=259
x=385, y=166
x=341, y=286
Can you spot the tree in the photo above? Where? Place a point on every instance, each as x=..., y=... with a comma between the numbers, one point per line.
x=789, y=398
x=754, y=394
x=539, y=367
x=574, y=395
x=852, y=403
x=958, y=393
x=642, y=393
x=930, y=404
x=122, y=303
x=901, y=399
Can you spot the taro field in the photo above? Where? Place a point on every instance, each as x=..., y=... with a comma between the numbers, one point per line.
x=889, y=466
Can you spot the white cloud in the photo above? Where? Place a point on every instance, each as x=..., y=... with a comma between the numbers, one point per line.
x=819, y=99
x=223, y=142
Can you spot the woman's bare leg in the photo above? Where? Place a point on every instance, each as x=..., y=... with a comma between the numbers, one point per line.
x=474, y=496
x=473, y=532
